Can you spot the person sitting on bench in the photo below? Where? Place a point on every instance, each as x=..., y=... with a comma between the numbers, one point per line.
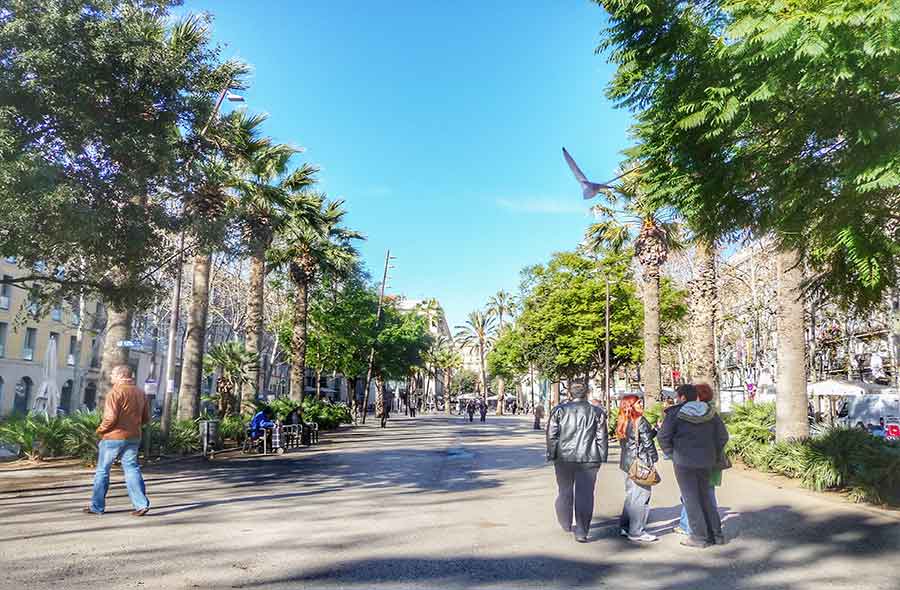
x=261, y=421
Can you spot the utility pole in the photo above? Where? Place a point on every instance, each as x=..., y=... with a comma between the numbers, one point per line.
x=166, y=421
x=387, y=261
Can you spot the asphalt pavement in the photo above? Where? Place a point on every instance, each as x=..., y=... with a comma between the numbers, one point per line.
x=430, y=502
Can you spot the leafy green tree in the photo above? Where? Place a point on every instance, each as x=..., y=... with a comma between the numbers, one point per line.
x=507, y=360
x=400, y=346
x=780, y=119
x=464, y=381
x=562, y=319
x=94, y=97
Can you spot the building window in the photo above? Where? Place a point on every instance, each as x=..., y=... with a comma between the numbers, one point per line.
x=73, y=351
x=310, y=379
x=4, y=329
x=56, y=313
x=34, y=309
x=5, y=293
x=90, y=395
x=95, y=361
x=29, y=343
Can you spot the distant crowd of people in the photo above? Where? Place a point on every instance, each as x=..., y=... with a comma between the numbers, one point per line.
x=691, y=434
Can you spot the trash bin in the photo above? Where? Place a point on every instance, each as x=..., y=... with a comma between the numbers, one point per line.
x=209, y=436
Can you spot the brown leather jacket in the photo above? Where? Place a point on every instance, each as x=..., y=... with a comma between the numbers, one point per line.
x=125, y=411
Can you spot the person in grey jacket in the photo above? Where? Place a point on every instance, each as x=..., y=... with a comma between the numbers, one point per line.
x=577, y=445
x=694, y=436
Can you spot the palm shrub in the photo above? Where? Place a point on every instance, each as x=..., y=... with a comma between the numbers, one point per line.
x=81, y=436
x=184, y=438
x=233, y=428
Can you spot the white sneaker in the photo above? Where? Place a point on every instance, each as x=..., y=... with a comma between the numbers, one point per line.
x=623, y=532
x=645, y=538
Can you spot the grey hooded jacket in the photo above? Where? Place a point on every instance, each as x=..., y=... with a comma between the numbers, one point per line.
x=693, y=434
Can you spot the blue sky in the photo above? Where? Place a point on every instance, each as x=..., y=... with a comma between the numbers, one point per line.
x=440, y=123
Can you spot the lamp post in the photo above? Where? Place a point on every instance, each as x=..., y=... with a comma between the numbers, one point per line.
x=166, y=418
x=387, y=265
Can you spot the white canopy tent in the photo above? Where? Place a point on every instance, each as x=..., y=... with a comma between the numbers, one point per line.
x=47, y=398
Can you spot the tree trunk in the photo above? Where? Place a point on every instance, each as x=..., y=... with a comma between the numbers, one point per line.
x=254, y=326
x=554, y=394
x=379, y=398
x=484, y=383
x=298, y=338
x=195, y=339
x=447, y=380
x=118, y=329
x=319, y=384
x=501, y=392
x=650, y=366
x=791, y=402
x=703, y=308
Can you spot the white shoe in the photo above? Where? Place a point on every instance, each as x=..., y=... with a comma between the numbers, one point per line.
x=623, y=533
x=645, y=538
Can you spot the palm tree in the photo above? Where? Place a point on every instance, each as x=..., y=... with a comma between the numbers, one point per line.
x=233, y=362
x=499, y=305
x=236, y=139
x=791, y=400
x=434, y=317
x=311, y=242
x=627, y=217
x=478, y=334
x=703, y=308
x=264, y=190
x=448, y=360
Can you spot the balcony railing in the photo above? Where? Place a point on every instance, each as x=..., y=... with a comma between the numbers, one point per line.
x=56, y=314
x=4, y=302
x=70, y=360
x=2, y=350
x=28, y=354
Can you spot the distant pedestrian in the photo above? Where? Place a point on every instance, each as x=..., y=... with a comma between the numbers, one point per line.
x=637, y=458
x=124, y=412
x=538, y=416
x=694, y=435
x=577, y=445
x=482, y=410
x=515, y=407
x=470, y=410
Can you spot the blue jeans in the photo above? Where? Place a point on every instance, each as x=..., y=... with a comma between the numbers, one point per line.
x=108, y=452
x=683, y=523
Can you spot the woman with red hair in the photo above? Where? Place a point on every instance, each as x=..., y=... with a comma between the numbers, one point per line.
x=635, y=436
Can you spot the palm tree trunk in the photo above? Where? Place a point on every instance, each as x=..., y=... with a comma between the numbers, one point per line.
x=379, y=398
x=650, y=366
x=791, y=401
x=195, y=339
x=118, y=329
x=554, y=394
x=298, y=339
x=319, y=384
x=501, y=392
x=703, y=306
x=254, y=326
x=484, y=384
x=447, y=381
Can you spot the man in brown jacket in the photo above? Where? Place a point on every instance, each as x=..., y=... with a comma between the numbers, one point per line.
x=124, y=412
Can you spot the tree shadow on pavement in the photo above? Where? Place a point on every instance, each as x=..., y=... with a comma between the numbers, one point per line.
x=779, y=548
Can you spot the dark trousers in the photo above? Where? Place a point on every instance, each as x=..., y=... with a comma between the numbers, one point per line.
x=702, y=513
x=483, y=416
x=576, y=482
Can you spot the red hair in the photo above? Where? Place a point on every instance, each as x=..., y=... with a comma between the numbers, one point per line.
x=627, y=413
x=704, y=392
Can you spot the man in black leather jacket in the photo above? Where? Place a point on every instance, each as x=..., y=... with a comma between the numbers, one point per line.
x=577, y=444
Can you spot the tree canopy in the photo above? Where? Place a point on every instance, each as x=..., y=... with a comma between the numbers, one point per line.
x=773, y=117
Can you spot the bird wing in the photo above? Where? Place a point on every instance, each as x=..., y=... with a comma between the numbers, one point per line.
x=579, y=175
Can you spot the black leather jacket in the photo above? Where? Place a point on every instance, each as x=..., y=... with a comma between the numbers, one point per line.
x=639, y=443
x=576, y=433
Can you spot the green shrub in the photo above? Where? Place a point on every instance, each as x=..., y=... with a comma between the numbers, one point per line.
x=184, y=438
x=37, y=435
x=81, y=439
x=232, y=427
x=326, y=414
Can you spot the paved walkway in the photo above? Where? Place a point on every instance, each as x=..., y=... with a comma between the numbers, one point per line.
x=430, y=502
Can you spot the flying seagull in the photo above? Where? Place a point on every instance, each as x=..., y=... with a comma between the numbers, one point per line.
x=590, y=188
